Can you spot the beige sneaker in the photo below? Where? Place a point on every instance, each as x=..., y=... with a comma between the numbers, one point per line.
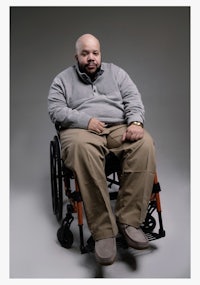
x=134, y=237
x=105, y=251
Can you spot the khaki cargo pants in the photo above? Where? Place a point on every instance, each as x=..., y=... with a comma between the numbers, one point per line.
x=84, y=153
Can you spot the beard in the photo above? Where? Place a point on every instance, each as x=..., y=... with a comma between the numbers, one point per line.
x=90, y=69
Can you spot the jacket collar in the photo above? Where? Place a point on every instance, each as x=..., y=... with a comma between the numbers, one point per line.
x=85, y=77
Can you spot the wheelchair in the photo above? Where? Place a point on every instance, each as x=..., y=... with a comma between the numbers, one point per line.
x=64, y=185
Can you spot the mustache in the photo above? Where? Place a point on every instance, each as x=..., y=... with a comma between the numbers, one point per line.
x=91, y=63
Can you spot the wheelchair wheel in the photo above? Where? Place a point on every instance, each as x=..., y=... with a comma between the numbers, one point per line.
x=56, y=178
x=65, y=236
x=149, y=224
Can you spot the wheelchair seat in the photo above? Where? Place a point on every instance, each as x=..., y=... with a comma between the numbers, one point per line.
x=61, y=185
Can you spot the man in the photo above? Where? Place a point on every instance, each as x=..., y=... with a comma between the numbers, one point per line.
x=100, y=110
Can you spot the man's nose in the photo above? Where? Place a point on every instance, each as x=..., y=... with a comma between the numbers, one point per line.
x=90, y=56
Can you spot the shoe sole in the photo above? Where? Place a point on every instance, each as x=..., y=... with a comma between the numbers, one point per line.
x=106, y=261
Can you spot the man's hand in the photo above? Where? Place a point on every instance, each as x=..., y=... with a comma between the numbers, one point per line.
x=133, y=133
x=96, y=125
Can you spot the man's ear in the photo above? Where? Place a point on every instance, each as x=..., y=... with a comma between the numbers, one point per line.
x=76, y=57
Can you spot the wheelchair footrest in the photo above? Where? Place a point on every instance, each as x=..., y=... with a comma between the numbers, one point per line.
x=154, y=236
x=120, y=241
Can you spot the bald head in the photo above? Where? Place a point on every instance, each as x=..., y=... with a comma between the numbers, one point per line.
x=86, y=39
x=88, y=54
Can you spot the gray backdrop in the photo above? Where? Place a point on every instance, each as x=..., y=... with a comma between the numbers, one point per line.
x=153, y=45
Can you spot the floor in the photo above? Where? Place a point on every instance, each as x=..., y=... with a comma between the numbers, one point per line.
x=36, y=253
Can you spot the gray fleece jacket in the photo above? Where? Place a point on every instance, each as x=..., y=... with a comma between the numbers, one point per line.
x=112, y=97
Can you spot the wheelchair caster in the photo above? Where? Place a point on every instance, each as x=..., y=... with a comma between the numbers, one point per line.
x=65, y=236
x=149, y=224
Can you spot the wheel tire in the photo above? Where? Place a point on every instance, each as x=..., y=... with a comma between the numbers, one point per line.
x=56, y=178
x=65, y=236
x=149, y=224
x=53, y=176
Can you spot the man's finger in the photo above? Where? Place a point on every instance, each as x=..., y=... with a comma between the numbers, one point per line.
x=124, y=136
